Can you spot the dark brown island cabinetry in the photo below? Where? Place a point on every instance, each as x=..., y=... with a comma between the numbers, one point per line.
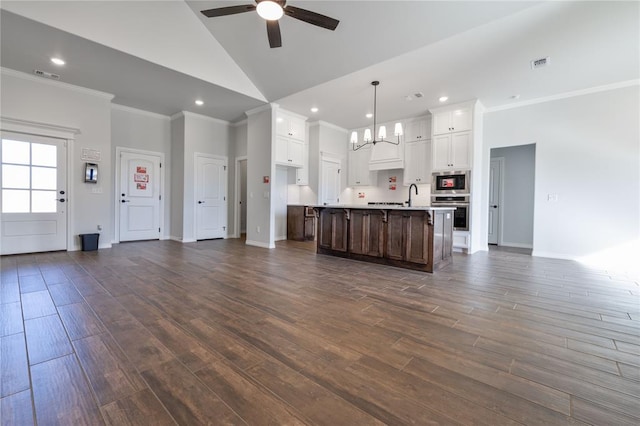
x=301, y=223
x=410, y=238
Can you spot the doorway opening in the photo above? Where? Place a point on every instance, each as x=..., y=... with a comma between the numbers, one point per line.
x=511, y=197
x=240, y=211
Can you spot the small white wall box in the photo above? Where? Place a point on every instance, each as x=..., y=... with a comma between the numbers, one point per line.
x=91, y=173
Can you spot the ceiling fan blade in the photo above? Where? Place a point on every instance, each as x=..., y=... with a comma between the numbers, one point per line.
x=311, y=17
x=230, y=10
x=273, y=32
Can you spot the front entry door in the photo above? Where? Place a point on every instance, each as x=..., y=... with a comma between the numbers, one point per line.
x=34, y=200
x=139, y=196
x=211, y=197
x=495, y=177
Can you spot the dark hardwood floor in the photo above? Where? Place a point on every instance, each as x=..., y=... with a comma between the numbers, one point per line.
x=216, y=332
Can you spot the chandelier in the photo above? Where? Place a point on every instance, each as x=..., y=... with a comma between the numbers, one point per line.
x=382, y=131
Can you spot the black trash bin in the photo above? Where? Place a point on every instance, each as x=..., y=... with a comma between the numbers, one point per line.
x=89, y=241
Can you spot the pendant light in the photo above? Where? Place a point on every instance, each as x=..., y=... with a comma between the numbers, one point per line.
x=382, y=131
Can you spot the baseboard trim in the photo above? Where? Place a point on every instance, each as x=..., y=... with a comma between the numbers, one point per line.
x=260, y=244
x=516, y=245
x=553, y=255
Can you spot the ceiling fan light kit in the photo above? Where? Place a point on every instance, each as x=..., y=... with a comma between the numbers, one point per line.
x=382, y=131
x=272, y=11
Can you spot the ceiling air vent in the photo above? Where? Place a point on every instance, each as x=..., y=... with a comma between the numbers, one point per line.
x=45, y=74
x=418, y=94
x=539, y=63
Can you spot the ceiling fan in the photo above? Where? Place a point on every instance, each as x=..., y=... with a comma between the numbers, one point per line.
x=272, y=11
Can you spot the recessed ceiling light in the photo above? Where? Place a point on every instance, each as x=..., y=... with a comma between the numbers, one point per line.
x=514, y=97
x=369, y=115
x=57, y=61
x=443, y=98
x=314, y=109
x=199, y=102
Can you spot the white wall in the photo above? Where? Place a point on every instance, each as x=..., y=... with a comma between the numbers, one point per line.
x=25, y=97
x=177, y=176
x=587, y=151
x=207, y=136
x=260, y=133
x=518, y=176
x=137, y=129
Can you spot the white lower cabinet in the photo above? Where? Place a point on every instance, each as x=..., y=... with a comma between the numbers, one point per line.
x=461, y=240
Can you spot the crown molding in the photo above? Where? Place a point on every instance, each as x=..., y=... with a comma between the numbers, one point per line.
x=240, y=123
x=139, y=111
x=56, y=83
x=581, y=92
x=270, y=106
x=26, y=126
x=294, y=114
x=327, y=124
x=204, y=117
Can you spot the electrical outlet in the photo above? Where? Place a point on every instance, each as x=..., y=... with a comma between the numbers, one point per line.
x=99, y=227
x=258, y=229
x=552, y=197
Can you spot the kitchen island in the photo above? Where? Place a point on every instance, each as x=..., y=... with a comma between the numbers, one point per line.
x=417, y=238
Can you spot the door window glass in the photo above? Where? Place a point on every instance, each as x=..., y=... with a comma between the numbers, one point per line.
x=29, y=177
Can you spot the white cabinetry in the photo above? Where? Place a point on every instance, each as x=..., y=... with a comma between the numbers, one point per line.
x=416, y=130
x=359, y=173
x=417, y=165
x=452, y=151
x=290, y=126
x=456, y=120
x=290, y=140
x=289, y=152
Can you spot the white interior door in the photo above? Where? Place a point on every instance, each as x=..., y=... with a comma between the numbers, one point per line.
x=211, y=197
x=495, y=176
x=34, y=199
x=330, y=190
x=139, y=196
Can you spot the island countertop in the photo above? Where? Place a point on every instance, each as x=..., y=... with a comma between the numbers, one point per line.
x=379, y=207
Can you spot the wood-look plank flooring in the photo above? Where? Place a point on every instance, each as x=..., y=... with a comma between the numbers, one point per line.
x=217, y=332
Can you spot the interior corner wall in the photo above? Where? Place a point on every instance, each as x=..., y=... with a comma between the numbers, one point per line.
x=149, y=132
x=25, y=98
x=587, y=150
x=260, y=134
x=177, y=179
x=518, y=177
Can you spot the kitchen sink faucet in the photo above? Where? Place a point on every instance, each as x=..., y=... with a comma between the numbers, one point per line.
x=413, y=185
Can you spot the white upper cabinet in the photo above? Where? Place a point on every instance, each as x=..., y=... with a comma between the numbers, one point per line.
x=452, y=152
x=289, y=152
x=290, y=140
x=417, y=164
x=456, y=120
x=416, y=130
x=290, y=126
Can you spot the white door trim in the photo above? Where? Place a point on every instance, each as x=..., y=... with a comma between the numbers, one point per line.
x=67, y=134
x=195, y=189
x=116, y=207
x=236, y=196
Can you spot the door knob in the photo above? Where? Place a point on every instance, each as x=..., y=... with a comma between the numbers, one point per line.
x=61, y=192
x=125, y=201
x=62, y=200
x=200, y=202
x=495, y=207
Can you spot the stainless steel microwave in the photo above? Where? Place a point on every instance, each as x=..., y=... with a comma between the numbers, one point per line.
x=457, y=182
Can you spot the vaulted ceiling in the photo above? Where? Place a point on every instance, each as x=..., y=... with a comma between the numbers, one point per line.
x=162, y=55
